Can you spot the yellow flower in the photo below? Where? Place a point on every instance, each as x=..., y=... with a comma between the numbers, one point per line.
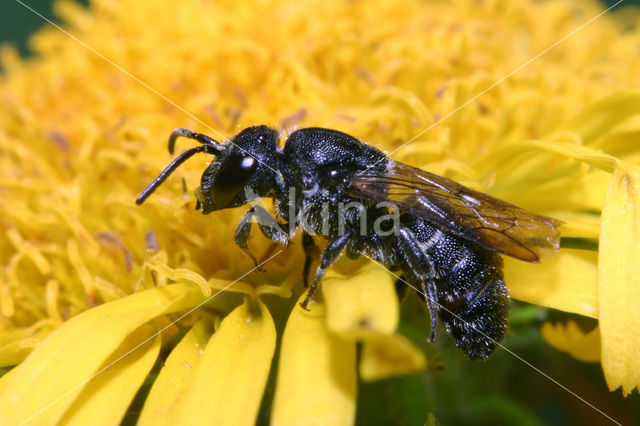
x=89, y=278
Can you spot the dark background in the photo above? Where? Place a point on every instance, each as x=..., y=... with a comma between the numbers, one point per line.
x=502, y=390
x=17, y=22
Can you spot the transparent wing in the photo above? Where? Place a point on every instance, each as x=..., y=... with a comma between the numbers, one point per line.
x=455, y=209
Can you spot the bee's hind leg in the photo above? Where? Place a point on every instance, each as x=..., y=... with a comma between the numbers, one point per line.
x=422, y=272
x=429, y=296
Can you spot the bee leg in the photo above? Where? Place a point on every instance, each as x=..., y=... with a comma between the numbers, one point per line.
x=430, y=292
x=423, y=272
x=267, y=224
x=401, y=288
x=310, y=250
x=329, y=255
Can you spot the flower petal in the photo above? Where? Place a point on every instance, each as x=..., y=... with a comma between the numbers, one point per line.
x=317, y=380
x=5, y=379
x=108, y=395
x=386, y=356
x=364, y=303
x=53, y=375
x=580, y=226
x=587, y=155
x=600, y=117
x=16, y=350
x=564, y=281
x=571, y=339
x=619, y=280
x=163, y=404
x=364, y=307
x=229, y=380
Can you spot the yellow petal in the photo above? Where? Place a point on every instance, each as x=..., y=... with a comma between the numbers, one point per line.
x=230, y=378
x=364, y=303
x=364, y=307
x=387, y=356
x=571, y=339
x=163, y=405
x=52, y=376
x=619, y=280
x=582, y=153
x=622, y=144
x=564, y=281
x=580, y=226
x=5, y=379
x=15, y=351
x=108, y=395
x=317, y=379
x=599, y=118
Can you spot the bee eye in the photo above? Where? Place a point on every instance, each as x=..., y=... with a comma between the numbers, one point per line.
x=233, y=175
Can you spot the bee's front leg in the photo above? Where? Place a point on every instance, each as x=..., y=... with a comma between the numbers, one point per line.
x=267, y=224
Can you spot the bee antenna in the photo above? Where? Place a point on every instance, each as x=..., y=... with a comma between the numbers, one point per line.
x=199, y=137
x=209, y=149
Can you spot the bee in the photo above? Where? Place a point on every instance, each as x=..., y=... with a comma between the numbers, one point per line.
x=439, y=237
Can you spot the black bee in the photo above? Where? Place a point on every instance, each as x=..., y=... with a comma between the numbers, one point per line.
x=439, y=236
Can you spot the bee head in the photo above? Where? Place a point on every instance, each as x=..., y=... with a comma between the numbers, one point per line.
x=240, y=173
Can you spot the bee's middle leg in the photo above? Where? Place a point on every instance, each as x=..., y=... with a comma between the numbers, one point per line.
x=329, y=256
x=310, y=250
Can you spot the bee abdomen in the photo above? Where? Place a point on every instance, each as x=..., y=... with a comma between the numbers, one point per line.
x=474, y=303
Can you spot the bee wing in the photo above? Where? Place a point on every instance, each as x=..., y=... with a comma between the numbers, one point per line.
x=455, y=209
